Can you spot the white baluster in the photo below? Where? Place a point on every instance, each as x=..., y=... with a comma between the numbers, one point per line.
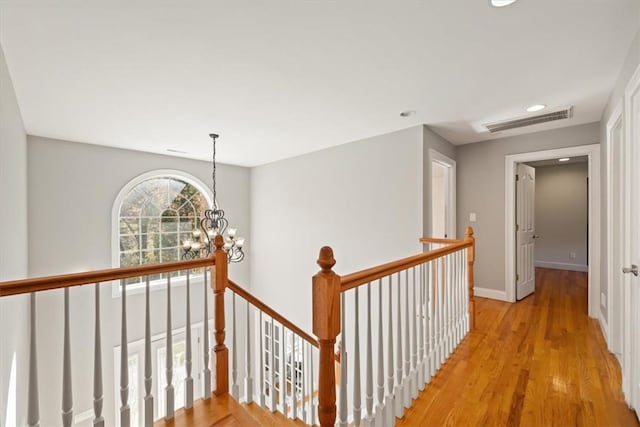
x=67, y=392
x=33, y=413
x=398, y=390
x=406, y=380
x=188, y=381
x=389, y=406
x=369, y=370
x=272, y=368
x=261, y=398
x=305, y=411
x=458, y=298
x=148, y=377
x=421, y=328
x=169, y=392
x=294, y=377
x=343, y=409
x=440, y=306
x=379, y=412
x=235, y=388
x=98, y=420
x=447, y=284
x=357, y=393
x=312, y=406
x=466, y=292
x=206, y=372
x=414, y=338
x=248, y=380
x=125, y=411
x=283, y=371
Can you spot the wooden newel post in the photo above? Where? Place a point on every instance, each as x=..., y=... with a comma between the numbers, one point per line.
x=220, y=352
x=471, y=255
x=326, y=326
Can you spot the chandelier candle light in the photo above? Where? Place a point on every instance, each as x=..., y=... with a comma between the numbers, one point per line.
x=211, y=225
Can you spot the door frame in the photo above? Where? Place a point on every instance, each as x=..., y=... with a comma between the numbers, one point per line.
x=592, y=151
x=631, y=345
x=613, y=334
x=450, y=164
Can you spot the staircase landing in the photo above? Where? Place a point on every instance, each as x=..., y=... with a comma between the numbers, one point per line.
x=224, y=411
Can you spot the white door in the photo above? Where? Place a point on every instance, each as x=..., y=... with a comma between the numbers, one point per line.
x=443, y=196
x=631, y=249
x=525, y=230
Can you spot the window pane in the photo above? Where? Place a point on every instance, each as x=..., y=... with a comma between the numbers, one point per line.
x=169, y=240
x=169, y=255
x=128, y=242
x=150, y=257
x=169, y=225
x=128, y=259
x=150, y=225
x=128, y=225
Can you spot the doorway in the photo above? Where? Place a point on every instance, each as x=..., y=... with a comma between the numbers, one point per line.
x=551, y=218
x=443, y=196
x=592, y=152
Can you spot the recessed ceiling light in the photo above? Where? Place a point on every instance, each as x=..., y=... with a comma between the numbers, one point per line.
x=407, y=113
x=536, y=107
x=564, y=159
x=502, y=3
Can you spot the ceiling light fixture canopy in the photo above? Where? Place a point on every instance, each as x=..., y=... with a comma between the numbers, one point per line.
x=214, y=223
x=536, y=107
x=502, y=3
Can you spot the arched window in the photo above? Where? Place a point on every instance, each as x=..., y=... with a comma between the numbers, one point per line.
x=155, y=213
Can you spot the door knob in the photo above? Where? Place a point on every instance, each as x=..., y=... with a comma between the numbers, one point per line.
x=633, y=270
x=535, y=236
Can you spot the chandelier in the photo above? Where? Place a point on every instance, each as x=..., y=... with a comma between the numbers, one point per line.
x=214, y=223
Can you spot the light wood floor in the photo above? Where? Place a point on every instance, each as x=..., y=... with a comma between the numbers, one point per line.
x=540, y=362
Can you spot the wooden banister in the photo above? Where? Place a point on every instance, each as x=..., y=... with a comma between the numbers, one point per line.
x=471, y=257
x=440, y=241
x=353, y=280
x=326, y=326
x=219, y=281
x=38, y=284
x=234, y=287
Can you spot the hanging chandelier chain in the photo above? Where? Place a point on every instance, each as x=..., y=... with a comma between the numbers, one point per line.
x=213, y=177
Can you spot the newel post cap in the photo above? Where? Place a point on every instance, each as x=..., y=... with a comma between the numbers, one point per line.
x=469, y=232
x=326, y=261
x=218, y=241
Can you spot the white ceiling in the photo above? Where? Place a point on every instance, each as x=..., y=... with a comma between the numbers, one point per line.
x=282, y=78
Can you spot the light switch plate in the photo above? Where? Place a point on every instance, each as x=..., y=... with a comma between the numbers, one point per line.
x=472, y=217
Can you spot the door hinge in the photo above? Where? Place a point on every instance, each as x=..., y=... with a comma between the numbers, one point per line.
x=517, y=227
x=517, y=277
x=517, y=177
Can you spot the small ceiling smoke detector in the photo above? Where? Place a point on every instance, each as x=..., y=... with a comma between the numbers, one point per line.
x=407, y=113
x=502, y=3
x=564, y=159
x=536, y=107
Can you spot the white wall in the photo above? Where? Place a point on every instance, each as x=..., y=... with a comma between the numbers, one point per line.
x=480, y=180
x=631, y=63
x=364, y=199
x=72, y=188
x=14, y=320
x=561, y=216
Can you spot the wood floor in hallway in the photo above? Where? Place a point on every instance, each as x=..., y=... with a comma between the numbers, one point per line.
x=540, y=362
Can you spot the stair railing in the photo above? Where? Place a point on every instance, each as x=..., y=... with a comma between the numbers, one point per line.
x=285, y=363
x=214, y=267
x=422, y=307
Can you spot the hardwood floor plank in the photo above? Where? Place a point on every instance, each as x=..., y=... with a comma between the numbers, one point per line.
x=540, y=362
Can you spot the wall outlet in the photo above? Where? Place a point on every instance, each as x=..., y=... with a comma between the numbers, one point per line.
x=603, y=299
x=572, y=255
x=472, y=217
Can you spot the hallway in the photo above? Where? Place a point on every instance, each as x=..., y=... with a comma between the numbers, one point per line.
x=540, y=362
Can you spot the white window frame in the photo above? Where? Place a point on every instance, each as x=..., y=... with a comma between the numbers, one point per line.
x=115, y=227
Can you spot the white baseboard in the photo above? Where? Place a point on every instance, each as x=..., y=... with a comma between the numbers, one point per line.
x=604, y=326
x=490, y=293
x=562, y=266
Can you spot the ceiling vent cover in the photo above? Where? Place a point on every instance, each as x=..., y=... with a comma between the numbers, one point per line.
x=566, y=113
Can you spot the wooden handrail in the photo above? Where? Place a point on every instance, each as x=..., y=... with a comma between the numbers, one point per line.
x=38, y=284
x=368, y=275
x=234, y=287
x=441, y=241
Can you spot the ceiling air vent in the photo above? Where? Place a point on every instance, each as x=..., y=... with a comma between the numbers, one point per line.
x=530, y=120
